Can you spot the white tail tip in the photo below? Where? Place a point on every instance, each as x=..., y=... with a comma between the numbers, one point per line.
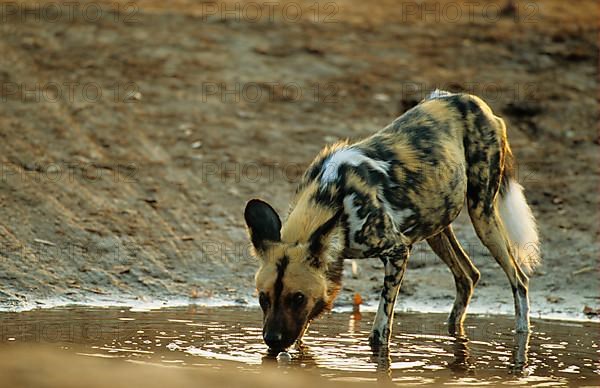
x=520, y=225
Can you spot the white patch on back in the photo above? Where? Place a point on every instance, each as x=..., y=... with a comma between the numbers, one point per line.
x=352, y=157
x=437, y=93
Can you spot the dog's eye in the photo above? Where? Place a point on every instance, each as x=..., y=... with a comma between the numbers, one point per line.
x=263, y=300
x=298, y=299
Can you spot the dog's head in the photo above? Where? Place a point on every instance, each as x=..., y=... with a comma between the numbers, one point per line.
x=294, y=281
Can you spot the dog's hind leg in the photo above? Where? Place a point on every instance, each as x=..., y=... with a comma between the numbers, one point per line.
x=446, y=247
x=483, y=196
x=489, y=167
x=491, y=232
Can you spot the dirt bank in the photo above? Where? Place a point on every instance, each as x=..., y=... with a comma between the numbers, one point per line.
x=130, y=139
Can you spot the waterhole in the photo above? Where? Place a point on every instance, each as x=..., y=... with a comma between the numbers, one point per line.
x=335, y=347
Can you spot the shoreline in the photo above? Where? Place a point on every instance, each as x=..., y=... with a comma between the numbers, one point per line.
x=158, y=304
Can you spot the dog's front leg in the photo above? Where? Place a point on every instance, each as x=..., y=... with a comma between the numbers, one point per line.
x=299, y=342
x=394, y=260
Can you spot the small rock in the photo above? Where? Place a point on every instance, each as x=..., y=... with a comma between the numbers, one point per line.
x=172, y=346
x=583, y=270
x=44, y=242
x=284, y=358
x=233, y=191
x=121, y=269
x=587, y=310
x=381, y=97
x=186, y=128
x=196, y=145
x=53, y=168
x=137, y=96
x=244, y=115
x=554, y=299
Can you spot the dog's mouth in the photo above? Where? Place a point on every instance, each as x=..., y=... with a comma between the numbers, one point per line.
x=283, y=343
x=278, y=344
x=279, y=336
x=274, y=351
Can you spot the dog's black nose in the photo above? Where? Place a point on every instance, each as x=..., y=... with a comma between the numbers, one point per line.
x=274, y=340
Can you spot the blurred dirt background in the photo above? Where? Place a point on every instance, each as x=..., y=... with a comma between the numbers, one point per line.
x=132, y=134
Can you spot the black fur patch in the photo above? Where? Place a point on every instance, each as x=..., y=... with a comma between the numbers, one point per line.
x=278, y=287
x=335, y=271
x=318, y=308
x=316, y=239
x=263, y=223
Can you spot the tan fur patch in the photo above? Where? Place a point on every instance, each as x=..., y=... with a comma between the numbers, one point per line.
x=439, y=111
x=266, y=276
x=356, y=182
x=306, y=217
x=405, y=153
x=299, y=276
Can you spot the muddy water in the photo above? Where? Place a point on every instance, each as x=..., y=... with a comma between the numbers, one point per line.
x=556, y=353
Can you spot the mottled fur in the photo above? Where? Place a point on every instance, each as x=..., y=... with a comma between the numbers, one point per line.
x=379, y=196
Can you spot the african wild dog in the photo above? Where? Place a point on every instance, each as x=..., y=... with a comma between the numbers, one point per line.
x=379, y=196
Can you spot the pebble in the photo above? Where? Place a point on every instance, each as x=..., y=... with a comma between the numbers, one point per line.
x=381, y=97
x=284, y=358
x=172, y=346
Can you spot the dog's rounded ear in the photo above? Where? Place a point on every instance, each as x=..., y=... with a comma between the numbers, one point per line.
x=263, y=223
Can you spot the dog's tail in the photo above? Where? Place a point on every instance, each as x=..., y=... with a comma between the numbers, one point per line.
x=517, y=218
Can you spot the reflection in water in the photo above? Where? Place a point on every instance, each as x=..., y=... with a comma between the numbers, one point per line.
x=381, y=357
x=462, y=364
x=488, y=352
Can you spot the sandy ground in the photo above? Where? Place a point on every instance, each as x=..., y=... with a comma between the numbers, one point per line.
x=131, y=137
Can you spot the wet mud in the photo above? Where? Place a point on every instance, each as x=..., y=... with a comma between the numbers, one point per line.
x=557, y=353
